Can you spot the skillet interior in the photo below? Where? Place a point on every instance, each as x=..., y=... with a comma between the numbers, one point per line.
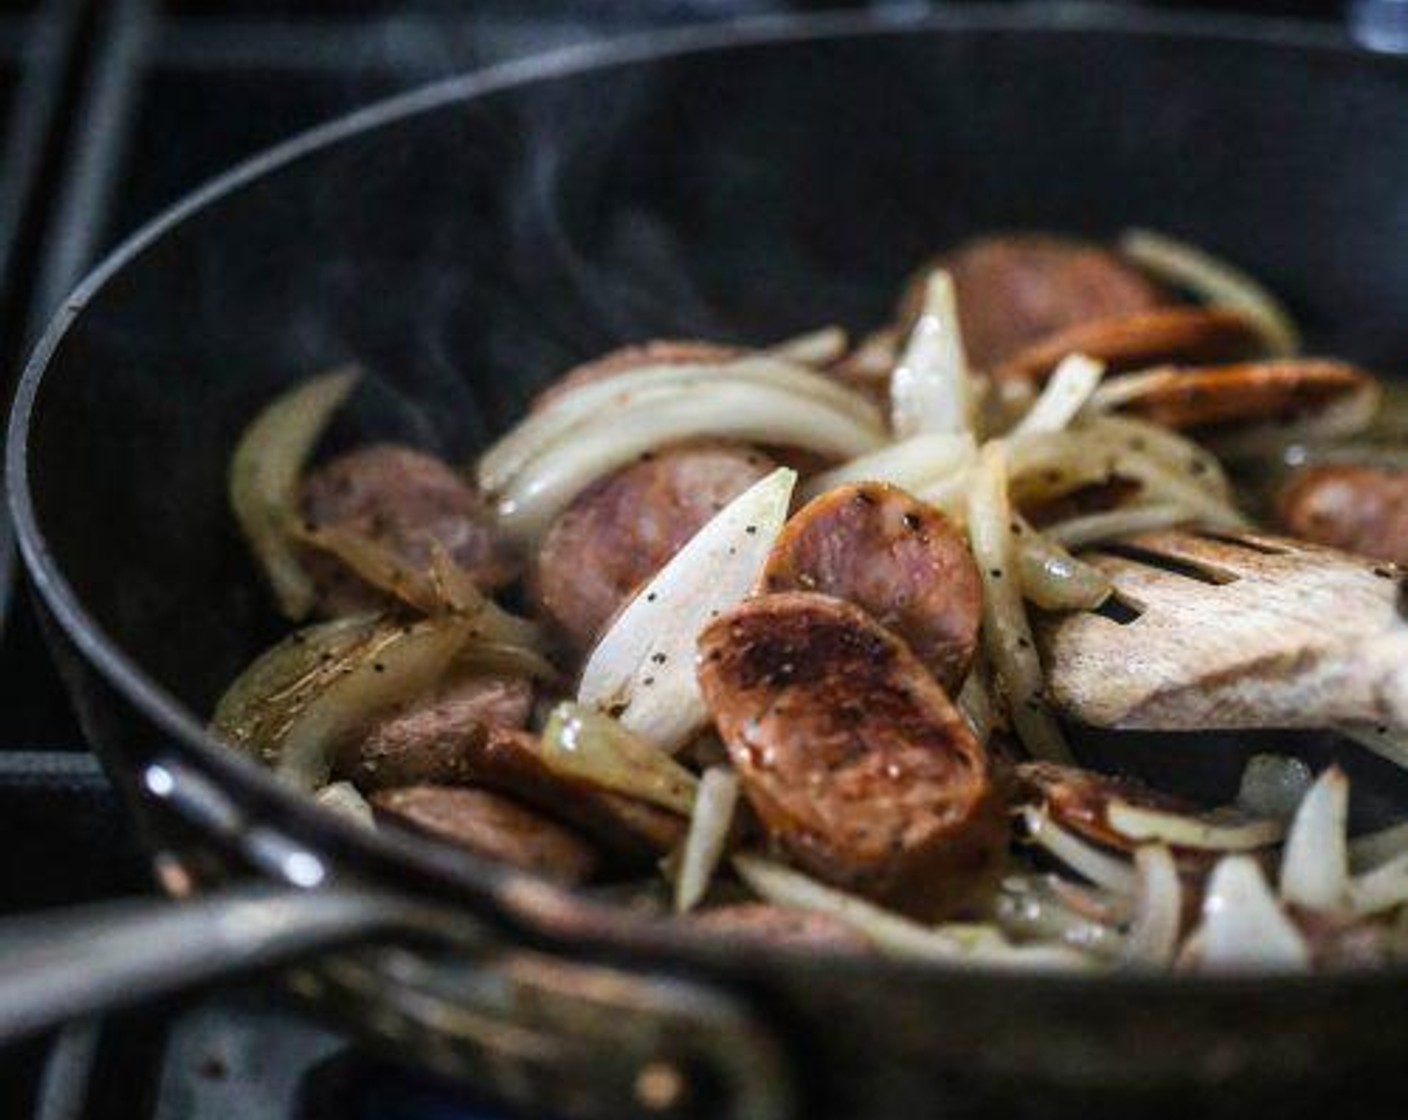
x=472, y=244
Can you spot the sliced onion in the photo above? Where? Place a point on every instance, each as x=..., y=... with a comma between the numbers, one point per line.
x=485, y=657
x=1273, y=785
x=1030, y=908
x=1215, y=282
x=1158, y=908
x=264, y=476
x=1101, y=868
x=1315, y=864
x=1347, y=415
x=1055, y=580
x=662, y=382
x=343, y=799
x=891, y=933
x=1389, y=745
x=751, y=413
x=709, y=827
x=585, y=744
x=1219, y=831
x=643, y=668
x=399, y=664
x=815, y=348
x=1243, y=926
x=1171, y=450
x=1374, y=849
x=1093, y=528
x=1065, y=394
x=1382, y=889
x=1007, y=636
x=930, y=390
x=261, y=704
x=910, y=464
x=976, y=703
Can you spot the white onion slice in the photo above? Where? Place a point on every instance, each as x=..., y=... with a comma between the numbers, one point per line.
x=1243, y=926
x=1382, y=889
x=1032, y=908
x=265, y=471
x=1218, y=831
x=1099, y=867
x=1374, y=849
x=1315, y=864
x=815, y=348
x=1158, y=909
x=750, y=413
x=1092, y=528
x=643, y=667
x=1171, y=450
x=709, y=827
x=1273, y=785
x=930, y=389
x=1215, y=282
x=585, y=744
x=910, y=464
x=1065, y=394
x=544, y=428
x=344, y=799
x=1052, y=578
x=1007, y=635
x=891, y=933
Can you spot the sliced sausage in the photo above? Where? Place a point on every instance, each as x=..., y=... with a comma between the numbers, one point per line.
x=779, y=925
x=491, y=826
x=856, y=762
x=403, y=499
x=437, y=740
x=1245, y=393
x=1014, y=290
x=659, y=352
x=1167, y=335
x=1359, y=509
x=899, y=559
x=621, y=530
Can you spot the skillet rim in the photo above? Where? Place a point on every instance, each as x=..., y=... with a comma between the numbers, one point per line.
x=530, y=907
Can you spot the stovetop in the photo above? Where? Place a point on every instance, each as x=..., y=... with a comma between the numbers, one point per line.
x=110, y=110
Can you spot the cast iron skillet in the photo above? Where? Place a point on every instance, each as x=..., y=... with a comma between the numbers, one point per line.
x=468, y=241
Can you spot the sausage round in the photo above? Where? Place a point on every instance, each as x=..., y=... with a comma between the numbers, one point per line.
x=1014, y=290
x=404, y=499
x=899, y=559
x=1139, y=340
x=491, y=826
x=1359, y=509
x=851, y=754
x=624, y=528
x=436, y=740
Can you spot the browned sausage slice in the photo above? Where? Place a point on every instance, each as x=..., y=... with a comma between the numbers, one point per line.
x=852, y=755
x=1014, y=290
x=624, y=528
x=437, y=739
x=659, y=352
x=1245, y=393
x=1359, y=509
x=779, y=925
x=491, y=826
x=403, y=499
x=901, y=560
x=1191, y=335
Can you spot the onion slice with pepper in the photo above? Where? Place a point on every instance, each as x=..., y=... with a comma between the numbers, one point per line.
x=264, y=477
x=582, y=743
x=642, y=669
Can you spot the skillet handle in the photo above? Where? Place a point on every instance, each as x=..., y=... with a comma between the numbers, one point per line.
x=70, y=963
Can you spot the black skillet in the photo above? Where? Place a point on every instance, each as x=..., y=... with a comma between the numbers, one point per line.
x=468, y=241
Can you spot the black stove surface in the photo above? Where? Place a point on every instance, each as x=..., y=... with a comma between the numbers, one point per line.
x=111, y=110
